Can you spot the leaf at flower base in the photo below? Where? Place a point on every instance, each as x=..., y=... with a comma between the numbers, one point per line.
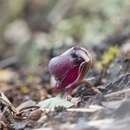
x=55, y=102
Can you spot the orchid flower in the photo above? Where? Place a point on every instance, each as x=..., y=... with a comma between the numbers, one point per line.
x=70, y=68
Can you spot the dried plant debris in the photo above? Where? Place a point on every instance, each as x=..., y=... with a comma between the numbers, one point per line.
x=120, y=83
x=6, y=111
x=10, y=117
x=39, y=108
x=119, y=66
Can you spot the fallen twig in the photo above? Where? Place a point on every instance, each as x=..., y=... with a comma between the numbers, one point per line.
x=88, y=110
x=124, y=91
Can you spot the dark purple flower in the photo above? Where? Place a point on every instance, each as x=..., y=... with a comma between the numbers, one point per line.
x=70, y=68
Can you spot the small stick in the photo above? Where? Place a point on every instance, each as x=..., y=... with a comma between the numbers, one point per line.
x=124, y=91
x=88, y=110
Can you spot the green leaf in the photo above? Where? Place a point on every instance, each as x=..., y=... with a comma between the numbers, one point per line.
x=51, y=103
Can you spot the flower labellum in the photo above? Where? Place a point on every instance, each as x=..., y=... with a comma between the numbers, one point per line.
x=70, y=68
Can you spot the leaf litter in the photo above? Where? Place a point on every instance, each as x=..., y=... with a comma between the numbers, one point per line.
x=110, y=110
x=27, y=108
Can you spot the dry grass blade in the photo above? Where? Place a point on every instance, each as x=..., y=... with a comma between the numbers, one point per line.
x=5, y=100
x=87, y=110
x=124, y=91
